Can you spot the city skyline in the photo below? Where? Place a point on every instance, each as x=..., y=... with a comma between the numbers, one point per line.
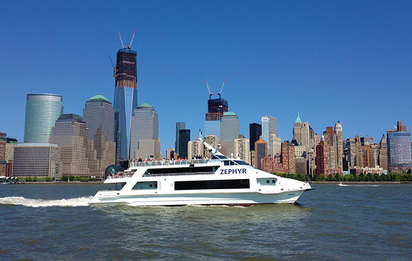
x=330, y=62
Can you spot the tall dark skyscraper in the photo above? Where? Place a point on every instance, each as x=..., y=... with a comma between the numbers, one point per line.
x=184, y=138
x=125, y=99
x=179, y=126
x=255, y=131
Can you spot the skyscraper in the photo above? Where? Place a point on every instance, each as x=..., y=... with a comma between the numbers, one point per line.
x=215, y=110
x=99, y=117
x=339, y=146
x=383, y=153
x=179, y=126
x=229, y=126
x=288, y=157
x=242, y=149
x=37, y=160
x=184, y=138
x=261, y=151
x=255, y=131
x=303, y=134
x=70, y=134
x=125, y=99
x=323, y=158
x=42, y=111
x=399, y=146
x=98, y=113
x=144, y=133
x=269, y=126
x=276, y=144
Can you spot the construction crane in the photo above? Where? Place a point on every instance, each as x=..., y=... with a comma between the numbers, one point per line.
x=120, y=36
x=208, y=88
x=130, y=45
x=114, y=67
x=221, y=89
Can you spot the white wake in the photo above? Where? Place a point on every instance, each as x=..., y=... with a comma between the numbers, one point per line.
x=35, y=203
x=357, y=185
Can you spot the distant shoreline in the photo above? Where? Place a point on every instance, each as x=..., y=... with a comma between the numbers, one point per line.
x=360, y=182
x=58, y=182
x=310, y=182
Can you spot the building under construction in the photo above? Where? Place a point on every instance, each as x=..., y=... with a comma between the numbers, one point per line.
x=215, y=110
x=125, y=98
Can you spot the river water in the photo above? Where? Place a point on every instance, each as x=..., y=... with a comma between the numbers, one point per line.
x=353, y=222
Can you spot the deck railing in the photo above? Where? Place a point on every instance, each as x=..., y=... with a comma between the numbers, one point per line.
x=166, y=162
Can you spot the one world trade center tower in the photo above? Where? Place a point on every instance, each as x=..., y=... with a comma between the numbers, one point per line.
x=125, y=99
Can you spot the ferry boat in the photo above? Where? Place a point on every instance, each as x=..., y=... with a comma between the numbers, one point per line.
x=216, y=181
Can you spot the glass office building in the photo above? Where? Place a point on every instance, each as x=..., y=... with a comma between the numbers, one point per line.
x=229, y=126
x=399, y=147
x=144, y=132
x=125, y=100
x=98, y=113
x=42, y=111
x=269, y=126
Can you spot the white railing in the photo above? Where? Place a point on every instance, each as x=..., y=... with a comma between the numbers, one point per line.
x=120, y=175
x=177, y=174
x=166, y=162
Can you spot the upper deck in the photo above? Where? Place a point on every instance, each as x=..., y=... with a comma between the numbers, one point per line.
x=150, y=163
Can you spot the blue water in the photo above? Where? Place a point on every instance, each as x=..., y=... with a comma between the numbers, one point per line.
x=356, y=222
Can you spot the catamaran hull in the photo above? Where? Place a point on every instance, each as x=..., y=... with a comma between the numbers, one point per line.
x=244, y=198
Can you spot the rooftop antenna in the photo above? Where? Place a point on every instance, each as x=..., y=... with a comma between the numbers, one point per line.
x=130, y=45
x=121, y=40
x=200, y=135
x=208, y=88
x=221, y=89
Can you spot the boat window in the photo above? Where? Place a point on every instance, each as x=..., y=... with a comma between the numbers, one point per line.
x=218, y=156
x=187, y=170
x=228, y=162
x=145, y=185
x=266, y=181
x=241, y=162
x=212, y=184
x=120, y=185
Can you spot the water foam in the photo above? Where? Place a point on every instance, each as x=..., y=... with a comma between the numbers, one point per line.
x=35, y=203
x=357, y=185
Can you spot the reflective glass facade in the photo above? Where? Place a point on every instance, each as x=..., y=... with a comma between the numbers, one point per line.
x=125, y=99
x=144, y=126
x=269, y=126
x=399, y=147
x=42, y=111
x=212, y=128
x=99, y=113
x=179, y=126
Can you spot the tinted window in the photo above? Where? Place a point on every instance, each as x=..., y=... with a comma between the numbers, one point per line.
x=212, y=184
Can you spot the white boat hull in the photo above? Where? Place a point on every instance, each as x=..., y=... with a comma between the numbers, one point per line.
x=240, y=198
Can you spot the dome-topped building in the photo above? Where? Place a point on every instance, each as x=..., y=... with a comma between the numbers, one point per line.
x=145, y=106
x=144, y=133
x=99, y=98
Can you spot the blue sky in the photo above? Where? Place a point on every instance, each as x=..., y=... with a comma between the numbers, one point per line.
x=347, y=61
